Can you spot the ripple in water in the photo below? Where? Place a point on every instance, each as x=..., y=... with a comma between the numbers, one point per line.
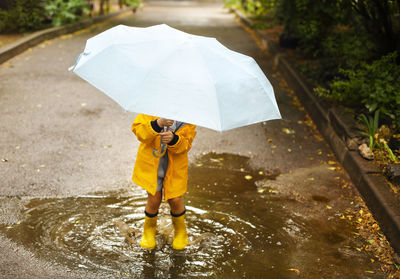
x=234, y=231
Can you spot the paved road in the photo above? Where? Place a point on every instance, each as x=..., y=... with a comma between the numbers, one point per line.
x=60, y=137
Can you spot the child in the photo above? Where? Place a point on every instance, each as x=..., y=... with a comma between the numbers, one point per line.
x=168, y=172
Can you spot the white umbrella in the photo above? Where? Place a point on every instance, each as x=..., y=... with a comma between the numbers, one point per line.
x=168, y=73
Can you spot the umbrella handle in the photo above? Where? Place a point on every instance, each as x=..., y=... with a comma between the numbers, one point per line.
x=163, y=148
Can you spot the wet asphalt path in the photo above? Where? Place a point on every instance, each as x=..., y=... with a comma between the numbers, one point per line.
x=60, y=137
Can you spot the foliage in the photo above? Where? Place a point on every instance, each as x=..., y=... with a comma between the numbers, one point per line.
x=371, y=127
x=27, y=15
x=132, y=3
x=310, y=21
x=375, y=85
x=377, y=137
x=347, y=48
x=62, y=12
x=380, y=19
x=257, y=8
x=22, y=15
x=344, y=49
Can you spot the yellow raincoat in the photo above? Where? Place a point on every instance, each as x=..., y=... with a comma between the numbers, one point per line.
x=146, y=165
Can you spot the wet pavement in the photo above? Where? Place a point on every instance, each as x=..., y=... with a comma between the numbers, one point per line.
x=263, y=201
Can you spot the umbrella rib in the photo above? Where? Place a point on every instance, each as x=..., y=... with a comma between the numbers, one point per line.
x=244, y=69
x=214, y=86
x=160, y=61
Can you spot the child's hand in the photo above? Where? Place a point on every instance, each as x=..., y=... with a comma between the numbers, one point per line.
x=166, y=137
x=164, y=122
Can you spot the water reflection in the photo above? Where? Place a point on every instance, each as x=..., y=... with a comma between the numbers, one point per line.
x=234, y=229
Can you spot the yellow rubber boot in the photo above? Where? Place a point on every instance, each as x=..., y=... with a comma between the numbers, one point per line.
x=149, y=233
x=180, y=235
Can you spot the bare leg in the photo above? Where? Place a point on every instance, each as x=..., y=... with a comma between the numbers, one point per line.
x=176, y=205
x=153, y=203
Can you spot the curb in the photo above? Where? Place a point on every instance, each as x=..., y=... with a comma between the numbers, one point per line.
x=340, y=131
x=10, y=50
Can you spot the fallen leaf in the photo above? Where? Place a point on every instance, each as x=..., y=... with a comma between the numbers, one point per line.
x=329, y=207
x=331, y=162
x=260, y=173
x=199, y=165
x=318, y=138
x=248, y=177
x=332, y=168
x=311, y=178
x=18, y=147
x=289, y=150
x=4, y=159
x=288, y=131
x=269, y=140
x=370, y=271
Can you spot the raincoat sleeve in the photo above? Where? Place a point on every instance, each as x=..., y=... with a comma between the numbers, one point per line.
x=141, y=127
x=184, y=144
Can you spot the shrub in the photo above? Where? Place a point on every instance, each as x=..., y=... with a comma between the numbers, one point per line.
x=374, y=86
x=132, y=3
x=348, y=49
x=310, y=21
x=62, y=12
x=22, y=15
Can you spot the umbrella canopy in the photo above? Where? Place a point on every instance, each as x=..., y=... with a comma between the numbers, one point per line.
x=168, y=73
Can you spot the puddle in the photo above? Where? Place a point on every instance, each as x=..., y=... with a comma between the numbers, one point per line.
x=246, y=234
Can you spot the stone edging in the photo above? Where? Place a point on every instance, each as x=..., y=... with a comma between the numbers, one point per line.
x=339, y=130
x=10, y=50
